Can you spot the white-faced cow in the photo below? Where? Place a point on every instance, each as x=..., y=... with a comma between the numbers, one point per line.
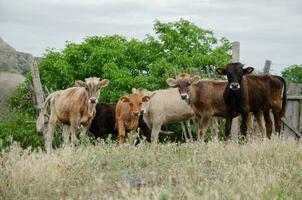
x=164, y=107
x=73, y=106
x=205, y=98
x=245, y=94
x=127, y=113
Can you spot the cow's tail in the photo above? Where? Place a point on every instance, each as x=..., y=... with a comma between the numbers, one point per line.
x=284, y=97
x=42, y=118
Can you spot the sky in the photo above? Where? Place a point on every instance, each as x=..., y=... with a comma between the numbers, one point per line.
x=266, y=29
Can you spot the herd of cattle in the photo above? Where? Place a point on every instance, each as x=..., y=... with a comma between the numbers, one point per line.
x=188, y=98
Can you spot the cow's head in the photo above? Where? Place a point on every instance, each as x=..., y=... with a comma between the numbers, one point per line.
x=143, y=92
x=183, y=82
x=135, y=102
x=234, y=72
x=92, y=86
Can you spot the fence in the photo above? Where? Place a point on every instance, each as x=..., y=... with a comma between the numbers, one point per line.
x=293, y=115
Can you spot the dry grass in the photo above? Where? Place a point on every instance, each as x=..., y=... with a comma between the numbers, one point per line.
x=267, y=170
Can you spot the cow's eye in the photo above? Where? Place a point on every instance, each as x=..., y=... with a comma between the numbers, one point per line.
x=131, y=104
x=188, y=84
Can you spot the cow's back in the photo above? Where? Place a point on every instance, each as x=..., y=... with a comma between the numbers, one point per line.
x=264, y=91
x=168, y=107
x=104, y=120
x=207, y=98
x=70, y=102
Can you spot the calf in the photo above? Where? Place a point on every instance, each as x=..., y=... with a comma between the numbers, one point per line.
x=104, y=122
x=127, y=112
x=164, y=107
x=205, y=98
x=72, y=107
x=244, y=94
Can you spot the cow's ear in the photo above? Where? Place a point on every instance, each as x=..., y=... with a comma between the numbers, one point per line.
x=221, y=71
x=248, y=70
x=195, y=79
x=103, y=83
x=152, y=94
x=133, y=90
x=171, y=82
x=80, y=83
x=146, y=98
x=125, y=99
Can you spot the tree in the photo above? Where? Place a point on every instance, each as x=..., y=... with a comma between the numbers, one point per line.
x=293, y=74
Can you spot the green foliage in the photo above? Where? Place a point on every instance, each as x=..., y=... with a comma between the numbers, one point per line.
x=19, y=130
x=293, y=74
x=129, y=63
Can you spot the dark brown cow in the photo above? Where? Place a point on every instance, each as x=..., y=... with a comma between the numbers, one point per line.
x=245, y=94
x=127, y=112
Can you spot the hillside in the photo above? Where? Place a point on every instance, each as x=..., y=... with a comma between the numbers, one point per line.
x=12, y=60
x=14, y=66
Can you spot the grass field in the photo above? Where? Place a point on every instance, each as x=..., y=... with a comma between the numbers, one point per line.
x=267, y=170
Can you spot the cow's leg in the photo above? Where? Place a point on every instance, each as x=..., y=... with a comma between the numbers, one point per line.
x=73, y=134
x=260, y=121
x=155, y=131
x=121, y=132
x=51, y=129
x=133, y=136
x=189, y=130
x=85, y=130
x=197, y=125
x=250, y=126
x=278, y=122
x=203, y=125
x=227, y=128
x=268, y=123
x=184, y=132
x=243, y=126
x=214, y=129
x=66, y=134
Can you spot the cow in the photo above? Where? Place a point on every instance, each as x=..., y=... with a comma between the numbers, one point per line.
x=104, y=122
x=205, y=97
x=73, y=106
x=127, y=113
x=164, y=107
x=244, y=94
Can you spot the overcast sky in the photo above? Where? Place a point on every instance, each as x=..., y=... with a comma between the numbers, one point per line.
x=266, y=29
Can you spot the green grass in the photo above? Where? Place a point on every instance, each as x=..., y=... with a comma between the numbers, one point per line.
x=267, y=170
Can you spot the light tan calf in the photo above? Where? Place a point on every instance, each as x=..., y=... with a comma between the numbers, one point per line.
x=72, y=107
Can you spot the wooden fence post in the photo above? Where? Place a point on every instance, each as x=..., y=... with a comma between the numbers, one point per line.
x=267, y=66
x=38, y=90
x=235, y=121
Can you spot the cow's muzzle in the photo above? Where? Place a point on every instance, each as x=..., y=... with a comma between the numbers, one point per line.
x=234, y=86
x=184, y=96
x=136, y=114
x=93, y=100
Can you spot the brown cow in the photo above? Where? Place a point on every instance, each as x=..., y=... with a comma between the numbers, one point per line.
x=128, y=110
x=73, y=106
x=205, y=98
x=245, y=94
